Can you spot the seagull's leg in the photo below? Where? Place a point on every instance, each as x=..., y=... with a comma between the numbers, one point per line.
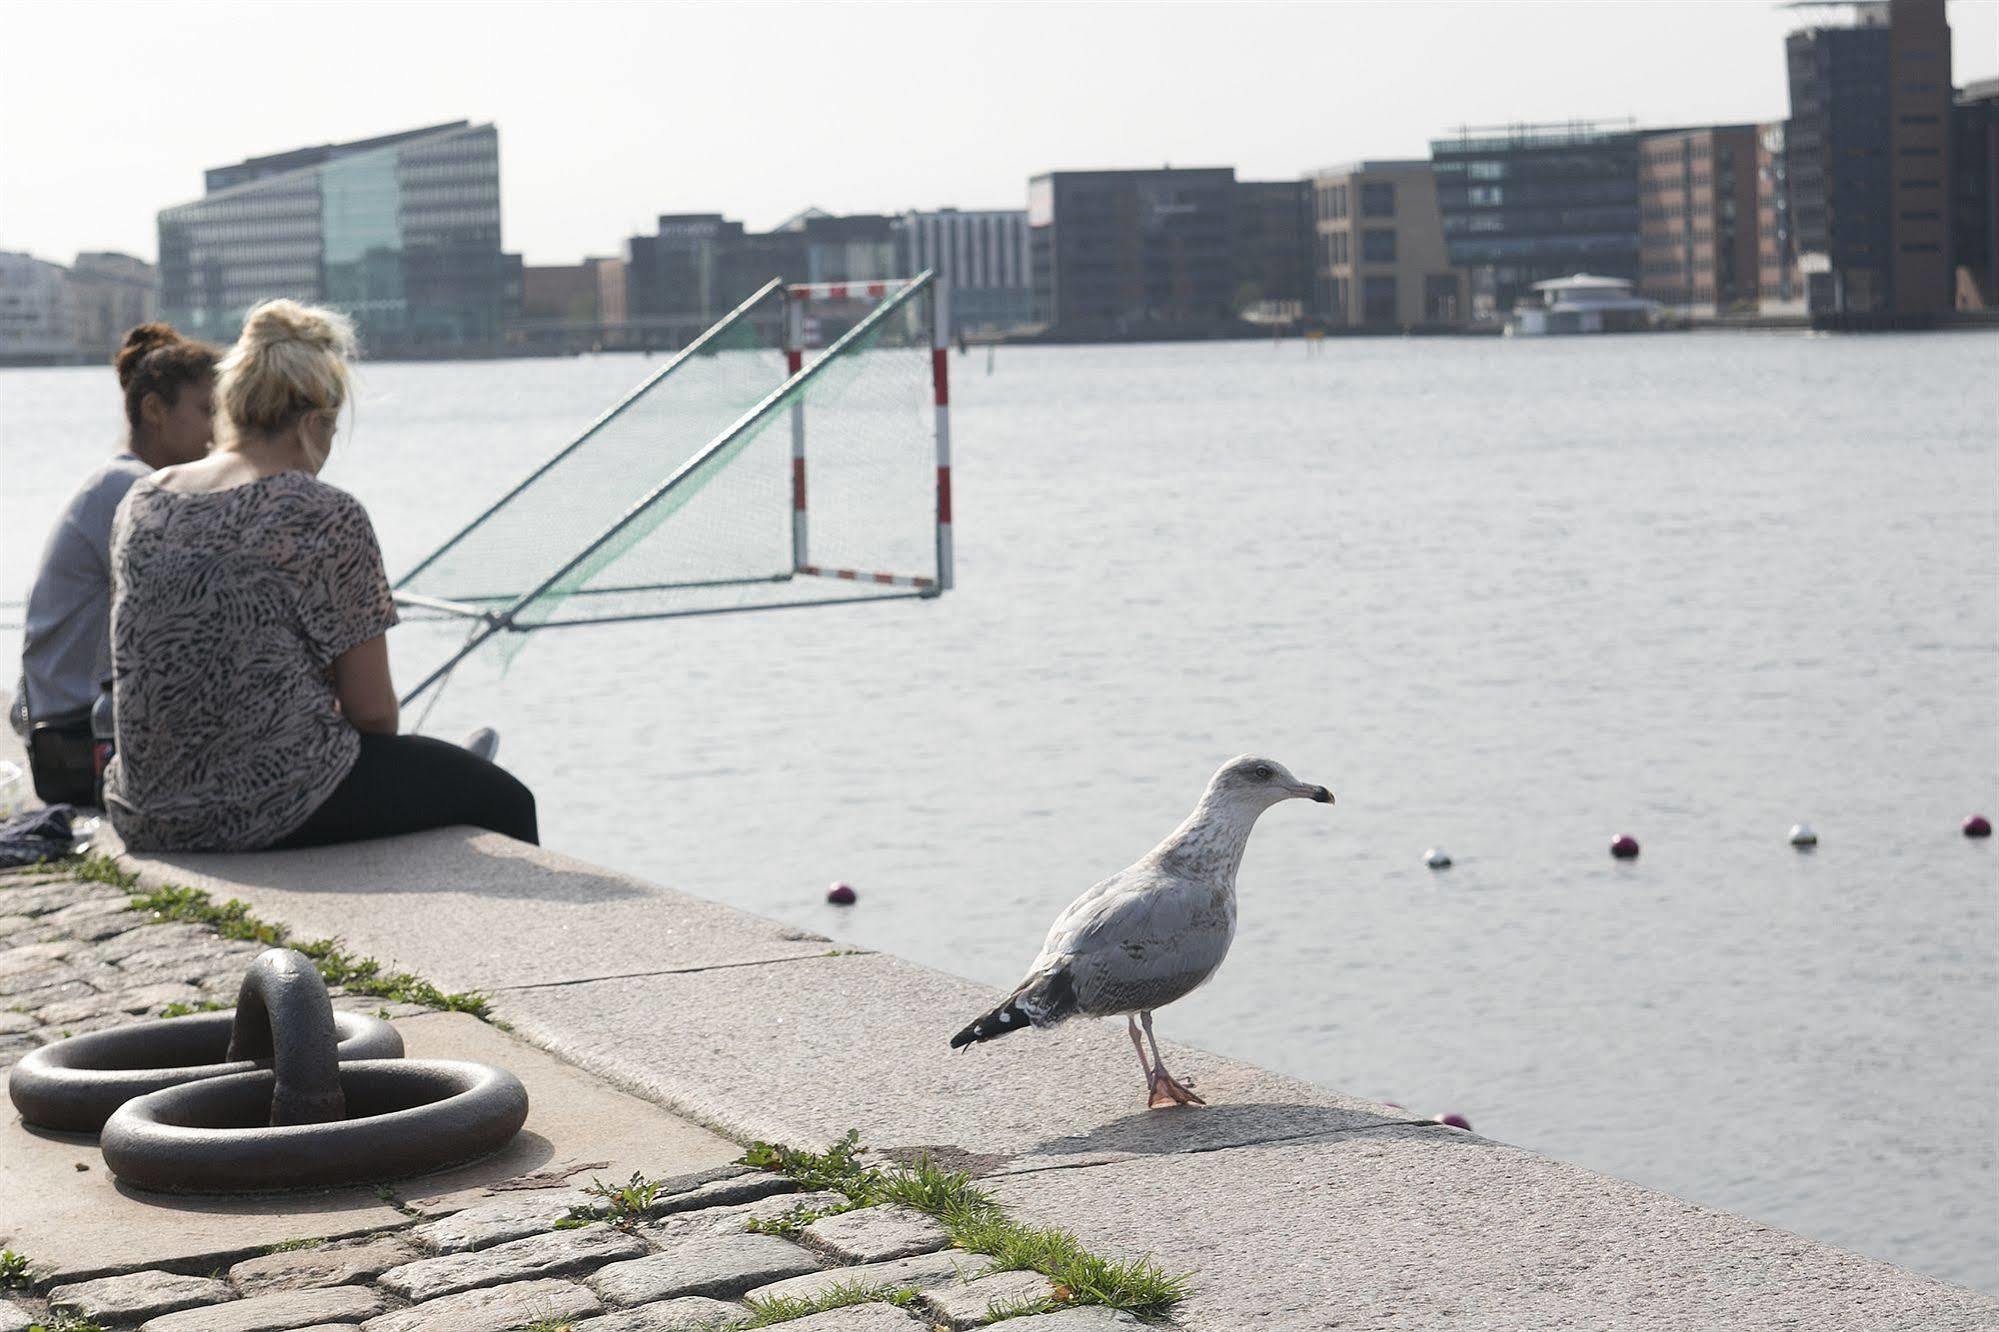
x=1165, y=1088
x=1144, y=1064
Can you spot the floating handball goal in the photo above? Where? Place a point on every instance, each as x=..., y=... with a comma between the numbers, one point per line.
x=797, y=453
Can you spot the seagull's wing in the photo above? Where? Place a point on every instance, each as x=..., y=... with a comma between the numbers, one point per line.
x=1139, y=939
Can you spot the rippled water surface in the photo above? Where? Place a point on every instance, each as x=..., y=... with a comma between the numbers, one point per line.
x=1506, y=598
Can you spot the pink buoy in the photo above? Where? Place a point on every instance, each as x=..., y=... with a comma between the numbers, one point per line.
x=1624, y=847
x=1452, y=1119
x=841, y=894
x=1978, y=826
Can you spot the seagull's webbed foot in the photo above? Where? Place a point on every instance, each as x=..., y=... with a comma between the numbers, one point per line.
x=1166, y=1090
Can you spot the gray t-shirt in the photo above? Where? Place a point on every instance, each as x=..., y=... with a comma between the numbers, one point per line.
x=228, y=610
x=65, y=651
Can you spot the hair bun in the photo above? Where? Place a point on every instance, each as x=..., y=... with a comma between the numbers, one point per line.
x=285, y=320
x=141, y=340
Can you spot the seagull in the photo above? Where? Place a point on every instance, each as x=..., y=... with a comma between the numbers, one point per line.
x=1154, y=931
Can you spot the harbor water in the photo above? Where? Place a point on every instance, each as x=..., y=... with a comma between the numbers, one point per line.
x=1509, y=599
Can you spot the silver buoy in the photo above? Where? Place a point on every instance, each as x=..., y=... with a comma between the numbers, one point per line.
x=1436, y=859
x=1802, y=835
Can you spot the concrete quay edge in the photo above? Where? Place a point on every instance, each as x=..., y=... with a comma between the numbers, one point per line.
x=1291, y=1206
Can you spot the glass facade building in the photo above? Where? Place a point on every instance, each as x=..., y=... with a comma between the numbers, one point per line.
x=1524, y=203
x=401, y=232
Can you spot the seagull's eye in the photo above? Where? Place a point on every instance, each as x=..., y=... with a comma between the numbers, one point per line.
x=1262, y=772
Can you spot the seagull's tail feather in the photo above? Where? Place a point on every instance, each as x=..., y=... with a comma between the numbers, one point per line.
x=1007, y=1017
x=1042, y=1001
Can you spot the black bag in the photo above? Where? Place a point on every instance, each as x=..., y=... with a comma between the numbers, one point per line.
x=62, y=754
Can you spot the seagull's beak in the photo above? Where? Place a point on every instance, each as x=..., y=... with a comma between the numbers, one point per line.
x=1318, y=793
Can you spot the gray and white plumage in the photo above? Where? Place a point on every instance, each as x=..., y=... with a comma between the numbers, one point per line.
x=1159, y=928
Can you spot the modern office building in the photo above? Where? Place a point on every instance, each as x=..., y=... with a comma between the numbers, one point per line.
x=1779, y=289
x=1134, y=253
x=402, y=232
x=37, y=314
x=1274, y=248
x=1380, y=257
x=682, y=270
x=110, y=293
x=984, y=255
x=1697, y=219
x=1524, y=203
x=1975, y=203
x=1869, y=158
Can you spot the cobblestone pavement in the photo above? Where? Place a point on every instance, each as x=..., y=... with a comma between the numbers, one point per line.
x=74, y=958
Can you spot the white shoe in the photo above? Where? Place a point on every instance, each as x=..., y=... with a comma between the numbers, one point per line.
x=485, y=742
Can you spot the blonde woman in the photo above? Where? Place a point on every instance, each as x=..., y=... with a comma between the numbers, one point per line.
x=249, y=607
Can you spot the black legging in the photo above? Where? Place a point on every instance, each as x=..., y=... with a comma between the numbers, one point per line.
x=407, y=783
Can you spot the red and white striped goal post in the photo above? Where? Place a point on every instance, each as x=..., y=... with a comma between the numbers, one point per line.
x=797, y=296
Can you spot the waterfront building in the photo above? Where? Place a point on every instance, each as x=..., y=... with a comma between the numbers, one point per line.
x=1975, y=198
x=564, y=292
x=1134, y=253
x=37, y=314
x=681, y=271
x=1274, y=248
x=1778, y=289
x=984, y=255
x=1697, y=219
x=1524, y=203
x=401, y=231
x=1869, y=160
x=110, y=293
x=1381, y=262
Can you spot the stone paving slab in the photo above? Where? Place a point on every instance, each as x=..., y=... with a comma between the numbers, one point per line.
x=495, y=1309
x=79, y=1224
x=1041, y=1098
x=690, y=1313
x=335, y=1264
x=558, y=1253
x=280, y=1311
x=1089, y=1318
x=1412, y=1229
x=859, y=1318
x=13, y=1318
x=701, y=1265
x=455, y=905
x=136, y=1296
x=577, y=1126
x=971, y=1303
x=924, y=1272
x=876, y=1234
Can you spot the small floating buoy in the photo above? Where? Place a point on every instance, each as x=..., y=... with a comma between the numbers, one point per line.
x=1803, y=836
x=1451, y=1119
x=1978, y=826
x=841, y=894
x=1624, y=846
x=1436, y=859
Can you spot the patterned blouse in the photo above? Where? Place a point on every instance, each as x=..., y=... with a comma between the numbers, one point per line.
x=228, y=608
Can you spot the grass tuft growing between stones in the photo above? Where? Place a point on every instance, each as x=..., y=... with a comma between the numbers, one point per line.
x=14, y=1270
x=977, y=1223
x=356, y=975
x=293, y=1245
x=97, y=868
x=65, y=1322
x=784, y=1309
x=623, y=1205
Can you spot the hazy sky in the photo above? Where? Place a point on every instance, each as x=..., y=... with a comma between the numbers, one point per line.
x=612, y=113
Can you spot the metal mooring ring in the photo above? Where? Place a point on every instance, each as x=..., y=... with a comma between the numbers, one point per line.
x=405, y=1117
